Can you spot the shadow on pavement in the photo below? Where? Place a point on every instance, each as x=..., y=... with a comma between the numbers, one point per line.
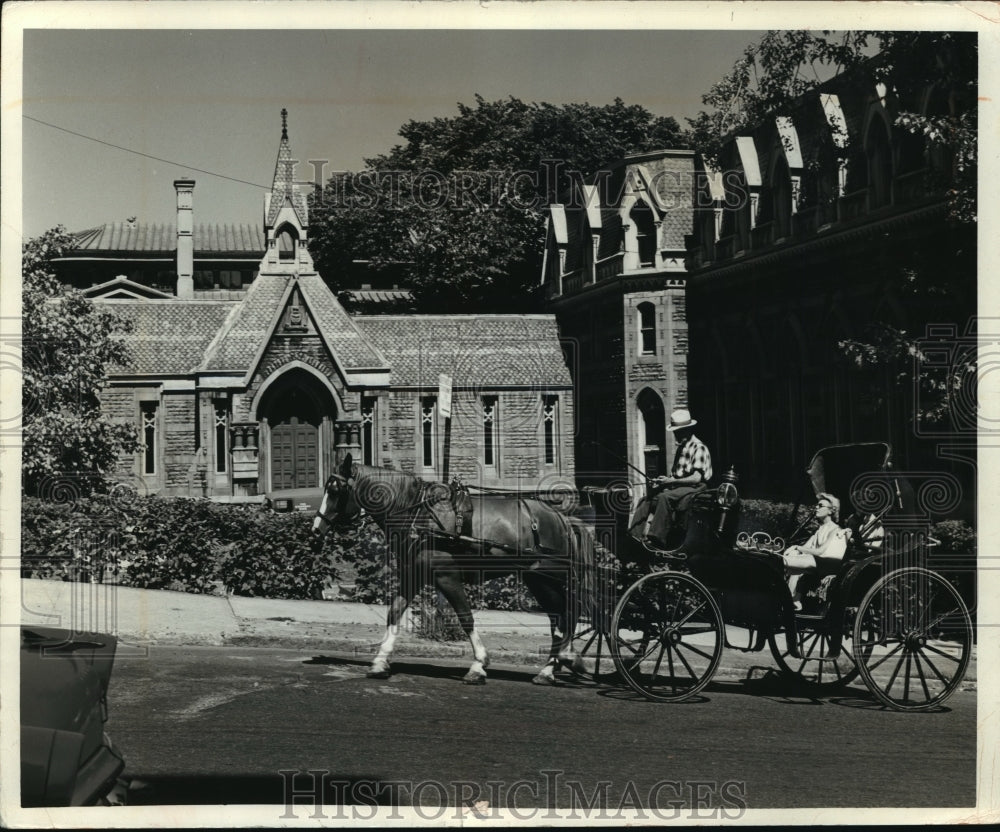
x=237, y=789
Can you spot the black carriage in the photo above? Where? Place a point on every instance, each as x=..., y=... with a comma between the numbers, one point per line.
x=880, y=613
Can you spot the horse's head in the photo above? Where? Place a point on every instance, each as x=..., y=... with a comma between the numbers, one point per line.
x=339, y=503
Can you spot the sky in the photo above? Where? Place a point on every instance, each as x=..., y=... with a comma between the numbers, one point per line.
x=211, y=100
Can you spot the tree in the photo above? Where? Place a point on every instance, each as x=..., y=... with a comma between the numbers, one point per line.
x=460, y=206
x=936, y=281
x=69, y=345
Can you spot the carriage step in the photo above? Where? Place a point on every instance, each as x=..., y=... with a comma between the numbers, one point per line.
x=799, y=616
x=823, y=658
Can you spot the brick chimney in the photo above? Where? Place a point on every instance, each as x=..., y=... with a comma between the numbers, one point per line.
x=185, y=237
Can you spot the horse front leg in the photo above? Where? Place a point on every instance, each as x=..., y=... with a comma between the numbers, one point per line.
x=452, y=587
x=380, y=666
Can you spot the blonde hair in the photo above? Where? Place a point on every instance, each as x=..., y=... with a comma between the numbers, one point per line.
x=834, y=505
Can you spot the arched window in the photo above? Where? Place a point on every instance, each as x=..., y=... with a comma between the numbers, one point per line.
x=287, y=237
x=652, y=432
x=647, y=328
x=879, y=153
x=641, y=218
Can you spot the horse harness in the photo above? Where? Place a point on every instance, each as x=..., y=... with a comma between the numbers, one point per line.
x=457, y=528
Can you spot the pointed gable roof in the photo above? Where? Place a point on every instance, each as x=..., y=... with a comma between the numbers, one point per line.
x=283, y=190
x=248, y=328
x=121, y=288
x=241, y=342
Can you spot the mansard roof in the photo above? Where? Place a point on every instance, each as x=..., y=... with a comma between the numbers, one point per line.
x=131, y=239
x=476, y=350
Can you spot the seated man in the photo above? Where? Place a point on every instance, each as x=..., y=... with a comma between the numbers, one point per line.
x=671, y=495
x=826, y=547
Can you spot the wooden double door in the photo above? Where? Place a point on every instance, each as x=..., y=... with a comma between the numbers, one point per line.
x=294, y=454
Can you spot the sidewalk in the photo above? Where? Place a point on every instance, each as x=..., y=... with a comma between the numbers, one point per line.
x=142, y=616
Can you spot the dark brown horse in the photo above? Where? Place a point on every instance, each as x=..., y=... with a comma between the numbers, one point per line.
x=440, y=535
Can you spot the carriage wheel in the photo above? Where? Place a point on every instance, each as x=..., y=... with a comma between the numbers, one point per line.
x=667, y=636
x=912, y=639
x=815, y=667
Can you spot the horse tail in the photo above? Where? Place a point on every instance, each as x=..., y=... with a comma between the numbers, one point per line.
x=584, y=585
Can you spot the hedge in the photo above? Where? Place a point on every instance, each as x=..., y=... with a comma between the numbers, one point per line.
x=182, y=544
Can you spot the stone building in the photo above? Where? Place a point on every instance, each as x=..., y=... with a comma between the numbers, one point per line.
x=614, y=275
x=823, y=217
x=248, y=377
x=733, y=290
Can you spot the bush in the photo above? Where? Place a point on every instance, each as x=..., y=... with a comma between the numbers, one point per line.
x=771, y=517
x=956, y=537
x=78, y=541
x=175, y=543
x=279, y=557
x=182, y=544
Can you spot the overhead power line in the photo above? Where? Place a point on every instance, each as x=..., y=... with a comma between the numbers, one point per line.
x=145, y=155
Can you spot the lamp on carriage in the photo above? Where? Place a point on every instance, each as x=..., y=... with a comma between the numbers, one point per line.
x=727, y=495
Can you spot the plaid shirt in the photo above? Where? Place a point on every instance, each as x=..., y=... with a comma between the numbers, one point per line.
x=690, y=457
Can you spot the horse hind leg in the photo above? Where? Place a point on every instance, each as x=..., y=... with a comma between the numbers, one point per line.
x=451, y=586
x=552, y=599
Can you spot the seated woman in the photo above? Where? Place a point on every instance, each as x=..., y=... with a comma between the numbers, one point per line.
x=825, y=548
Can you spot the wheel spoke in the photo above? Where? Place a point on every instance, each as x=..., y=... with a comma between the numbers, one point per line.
x=906, y=678
x=940, y=618
x=920, y=673
x=688, y=616
x=694, y=649
x=895, y=673
x=659, y=659
x=685, y=663
x=887, y=656
x=934, y=649
x=937, y=673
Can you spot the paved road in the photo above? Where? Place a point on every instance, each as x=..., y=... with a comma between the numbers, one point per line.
x=213, y=725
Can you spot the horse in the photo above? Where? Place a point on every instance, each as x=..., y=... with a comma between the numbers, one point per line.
x=439, y=533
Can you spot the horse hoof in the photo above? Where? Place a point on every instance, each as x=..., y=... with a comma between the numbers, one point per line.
x=575, y=666
x=378, y=674
x=474, y=679
x=543, y=679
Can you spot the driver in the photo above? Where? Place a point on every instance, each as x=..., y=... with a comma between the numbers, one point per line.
x=689, y=474
x=827, y=545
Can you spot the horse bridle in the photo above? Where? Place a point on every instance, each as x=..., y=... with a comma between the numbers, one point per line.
x=346, y=485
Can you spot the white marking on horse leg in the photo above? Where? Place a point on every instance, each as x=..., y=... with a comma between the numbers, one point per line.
x=479, y=649
x=477, y=670
x=547, y=675
x=380, y=664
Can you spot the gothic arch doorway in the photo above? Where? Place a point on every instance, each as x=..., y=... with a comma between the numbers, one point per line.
x=298, y=412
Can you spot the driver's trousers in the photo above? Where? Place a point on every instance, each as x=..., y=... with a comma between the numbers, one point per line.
x=665, y=506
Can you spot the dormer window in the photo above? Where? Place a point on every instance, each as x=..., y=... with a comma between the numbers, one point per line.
x=641, y=218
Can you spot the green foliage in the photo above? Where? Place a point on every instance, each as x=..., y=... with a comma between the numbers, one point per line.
x=179, y=544
x=459, y=206
x=69, y=346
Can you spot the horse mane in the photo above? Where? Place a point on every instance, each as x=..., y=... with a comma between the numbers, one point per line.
x=405, y=487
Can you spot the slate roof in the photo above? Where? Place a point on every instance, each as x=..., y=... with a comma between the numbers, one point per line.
x=344, y=338
x=122, y=238
x=248, y=326
x=169, y=337
x=476, y=350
